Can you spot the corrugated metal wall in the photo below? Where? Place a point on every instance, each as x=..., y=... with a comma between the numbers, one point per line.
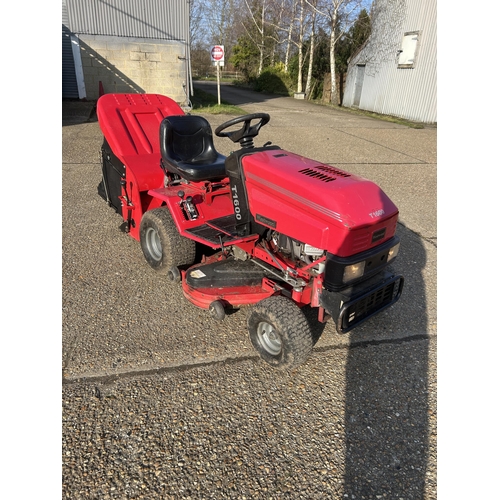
x=409, y=93
x=158, y=19
x=69, y=84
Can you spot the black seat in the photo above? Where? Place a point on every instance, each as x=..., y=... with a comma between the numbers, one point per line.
x=187, y=149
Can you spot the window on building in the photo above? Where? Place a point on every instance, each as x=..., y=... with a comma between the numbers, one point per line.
x=409, y=50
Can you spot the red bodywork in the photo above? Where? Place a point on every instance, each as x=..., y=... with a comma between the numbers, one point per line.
x=310, y=202
x=316, y=203
x=130, y=123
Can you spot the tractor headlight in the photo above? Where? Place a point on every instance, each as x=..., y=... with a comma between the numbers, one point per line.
x=353, y=271
x=393, y=252
x=344, y=272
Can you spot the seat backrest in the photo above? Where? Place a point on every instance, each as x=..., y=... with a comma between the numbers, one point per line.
x=187, y=139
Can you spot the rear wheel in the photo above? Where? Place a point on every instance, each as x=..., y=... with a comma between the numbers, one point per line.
x=162, y=245
x=280, y=332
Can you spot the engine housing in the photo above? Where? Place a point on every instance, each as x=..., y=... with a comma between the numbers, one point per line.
x=317, y=204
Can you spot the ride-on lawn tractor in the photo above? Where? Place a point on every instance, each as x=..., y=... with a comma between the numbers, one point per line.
x=283, y=233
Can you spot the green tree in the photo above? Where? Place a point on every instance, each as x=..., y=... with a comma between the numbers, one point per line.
x=245, y=57
x=361, y=30
x=349, y=44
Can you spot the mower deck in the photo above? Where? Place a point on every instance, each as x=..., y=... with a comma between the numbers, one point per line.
x=234, y=282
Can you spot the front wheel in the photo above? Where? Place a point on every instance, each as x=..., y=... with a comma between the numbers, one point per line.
x=162, y=245
x=280, y=332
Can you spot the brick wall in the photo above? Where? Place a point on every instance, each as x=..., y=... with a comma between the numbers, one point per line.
x=133, y=65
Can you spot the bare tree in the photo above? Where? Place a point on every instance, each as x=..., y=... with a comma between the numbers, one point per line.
x=220, y=20
x=300, y=43
x=283, y=21
x=311, y=53
x=280, y=22
x=257, y=16
x=197, y=24
x=340, y=15
x=299, y=21
x=289, y=35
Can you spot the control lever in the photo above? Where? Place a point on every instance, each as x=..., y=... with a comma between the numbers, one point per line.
x=188, y=205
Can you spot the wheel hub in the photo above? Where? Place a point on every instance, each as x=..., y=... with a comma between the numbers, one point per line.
x=269, y=338
x=153, y=243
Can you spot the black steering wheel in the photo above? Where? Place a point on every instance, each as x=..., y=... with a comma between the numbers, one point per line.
x=244, y=135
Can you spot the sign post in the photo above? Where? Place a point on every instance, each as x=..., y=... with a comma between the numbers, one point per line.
x=217, y=56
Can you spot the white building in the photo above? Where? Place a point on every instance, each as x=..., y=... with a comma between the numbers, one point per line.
x=395, y=72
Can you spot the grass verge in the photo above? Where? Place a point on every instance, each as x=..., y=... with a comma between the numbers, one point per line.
x=385, y=118
x=204, y=102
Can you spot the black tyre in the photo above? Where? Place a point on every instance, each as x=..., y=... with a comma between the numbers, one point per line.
x=174, y=275
x=162, y=245
x=217, y=310
x=280, y=332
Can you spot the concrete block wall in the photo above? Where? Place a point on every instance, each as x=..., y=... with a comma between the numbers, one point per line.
x=133, y=65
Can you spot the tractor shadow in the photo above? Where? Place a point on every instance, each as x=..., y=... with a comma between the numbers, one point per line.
x=317, y=327
x=387, y=387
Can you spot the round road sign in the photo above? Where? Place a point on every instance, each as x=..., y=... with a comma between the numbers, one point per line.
x=217, y=53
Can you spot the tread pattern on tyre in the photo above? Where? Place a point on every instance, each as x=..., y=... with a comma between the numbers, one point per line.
x=290, y=321
x=177, y=250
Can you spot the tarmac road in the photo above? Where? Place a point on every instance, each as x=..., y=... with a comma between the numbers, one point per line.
x=161, y=401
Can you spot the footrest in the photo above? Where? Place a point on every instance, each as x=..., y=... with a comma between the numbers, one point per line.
x=216, y=229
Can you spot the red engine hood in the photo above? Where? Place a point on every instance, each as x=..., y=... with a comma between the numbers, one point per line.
x=316, y=203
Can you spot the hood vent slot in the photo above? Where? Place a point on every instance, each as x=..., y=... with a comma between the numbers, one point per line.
x=323, y=173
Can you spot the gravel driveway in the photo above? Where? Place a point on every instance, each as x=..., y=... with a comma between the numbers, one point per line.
x=160, y=401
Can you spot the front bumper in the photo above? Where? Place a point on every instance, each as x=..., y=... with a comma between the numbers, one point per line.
x=354, y=305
